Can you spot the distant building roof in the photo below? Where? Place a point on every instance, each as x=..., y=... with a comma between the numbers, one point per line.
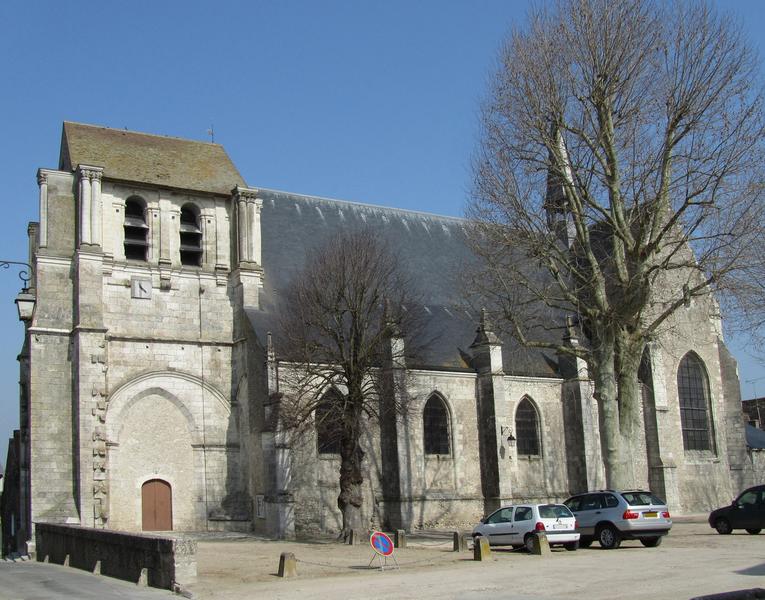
x=151, y=159
x=755, y=438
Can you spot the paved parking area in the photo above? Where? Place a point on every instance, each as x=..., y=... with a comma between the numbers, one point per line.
x=693, y=560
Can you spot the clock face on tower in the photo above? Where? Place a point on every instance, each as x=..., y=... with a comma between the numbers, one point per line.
x=140, y=288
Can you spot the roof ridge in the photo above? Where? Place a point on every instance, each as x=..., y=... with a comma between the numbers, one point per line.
x=365, y=204
x=134, y=132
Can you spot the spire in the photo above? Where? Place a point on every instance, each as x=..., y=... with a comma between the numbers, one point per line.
x=389, y=321
x=556, y=203
x=570, y=338
x=485, y=332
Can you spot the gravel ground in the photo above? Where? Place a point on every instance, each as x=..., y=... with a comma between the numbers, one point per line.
x=693, y=560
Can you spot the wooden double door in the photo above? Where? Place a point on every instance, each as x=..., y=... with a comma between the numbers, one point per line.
x=156, y=506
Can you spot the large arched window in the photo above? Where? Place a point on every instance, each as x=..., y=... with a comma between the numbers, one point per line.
x=435, y=421
x=527, y=429
x=191, y=236
x=693, y=392
x=136, y=229
x=328, y=417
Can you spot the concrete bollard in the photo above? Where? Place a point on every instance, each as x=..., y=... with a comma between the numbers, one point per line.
x=460, y=542
x=356, y=537
x=540, y=546
x=399, y=539
x=143, y=578
x=287, y=565
x=481, y=549
x=97, y=568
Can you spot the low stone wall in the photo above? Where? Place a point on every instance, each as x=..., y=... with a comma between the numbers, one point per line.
x=156, y=561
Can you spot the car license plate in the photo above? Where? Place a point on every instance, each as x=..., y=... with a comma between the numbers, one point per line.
x=650, y=515
x=560, y=526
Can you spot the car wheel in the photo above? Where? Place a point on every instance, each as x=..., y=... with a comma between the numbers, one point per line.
x=528, y=542
x=609, y=538
x=571, y=546
x=651, y=542
x=585, y=542
x=723, y=526
x=753, y=531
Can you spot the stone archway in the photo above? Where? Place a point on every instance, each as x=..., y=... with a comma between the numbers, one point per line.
x=167, y=426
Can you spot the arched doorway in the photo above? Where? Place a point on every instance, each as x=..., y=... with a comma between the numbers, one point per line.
x=156, y=506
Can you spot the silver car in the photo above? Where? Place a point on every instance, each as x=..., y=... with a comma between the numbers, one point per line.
x=515, y=526
x=611, y=516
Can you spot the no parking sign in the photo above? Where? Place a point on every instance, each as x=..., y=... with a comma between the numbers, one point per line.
x=381, y=543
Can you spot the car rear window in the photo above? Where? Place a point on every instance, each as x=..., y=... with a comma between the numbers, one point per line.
x=641, y=498
x=554, y=511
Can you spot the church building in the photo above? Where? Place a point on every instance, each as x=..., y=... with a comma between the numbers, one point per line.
x=150, y=375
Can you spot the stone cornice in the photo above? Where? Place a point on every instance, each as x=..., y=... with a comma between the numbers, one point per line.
x=139, y=339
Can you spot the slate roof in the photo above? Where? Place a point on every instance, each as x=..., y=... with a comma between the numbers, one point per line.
x=432, y=247
x=755, y=438
x=151, y=159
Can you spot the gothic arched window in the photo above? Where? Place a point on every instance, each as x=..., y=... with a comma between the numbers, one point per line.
x=136, y=229
x=435, y=421
x=328, y=416
x=527, y=429
x=693, y=393
x=191, y=236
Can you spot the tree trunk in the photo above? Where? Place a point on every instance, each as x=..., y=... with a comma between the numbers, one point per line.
x=350, y=499
x=629, y=355
x=615, y=375
x=606, y=394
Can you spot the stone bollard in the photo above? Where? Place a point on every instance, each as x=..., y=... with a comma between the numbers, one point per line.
x=539, y=545
x=287, y=565
x=356, y=538
x=399, y=539
x=481, y=549
x=460, y=542
x=143, y=578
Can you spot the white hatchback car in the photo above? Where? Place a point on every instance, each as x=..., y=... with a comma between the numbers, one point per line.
x=515, y=525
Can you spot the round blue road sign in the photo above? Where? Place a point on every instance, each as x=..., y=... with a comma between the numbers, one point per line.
x=381, y=543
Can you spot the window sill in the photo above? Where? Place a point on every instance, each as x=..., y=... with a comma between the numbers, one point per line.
x=701, y=457
x=530, y=457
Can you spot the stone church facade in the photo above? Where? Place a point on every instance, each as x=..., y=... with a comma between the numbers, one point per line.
x=150, y=378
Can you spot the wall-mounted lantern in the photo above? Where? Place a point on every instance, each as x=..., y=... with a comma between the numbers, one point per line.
x=25, y=301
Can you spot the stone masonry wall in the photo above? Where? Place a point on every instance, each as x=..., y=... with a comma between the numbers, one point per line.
x=151, y=560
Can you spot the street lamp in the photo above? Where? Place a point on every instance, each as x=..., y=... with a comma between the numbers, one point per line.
x=25, y=301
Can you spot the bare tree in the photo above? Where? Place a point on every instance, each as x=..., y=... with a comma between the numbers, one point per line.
x=345, y=326
x=619, y=177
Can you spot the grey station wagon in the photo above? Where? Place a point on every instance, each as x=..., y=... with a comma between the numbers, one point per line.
x=611, y=516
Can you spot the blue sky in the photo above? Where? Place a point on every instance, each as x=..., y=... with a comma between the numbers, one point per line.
x=368, y=101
